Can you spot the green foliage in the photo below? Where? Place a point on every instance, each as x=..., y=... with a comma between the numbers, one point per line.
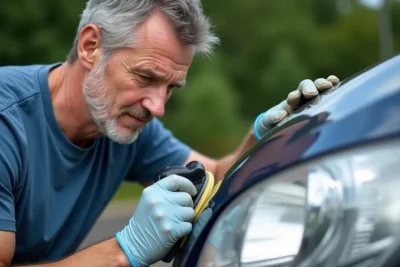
x=252, y=32
x=213, y=115
x=283, y=74
x=128, y=190
x=352, y=44
x=33, y=31
x=396, y=24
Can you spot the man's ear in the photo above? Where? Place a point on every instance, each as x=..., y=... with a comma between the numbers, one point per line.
x=89, y=45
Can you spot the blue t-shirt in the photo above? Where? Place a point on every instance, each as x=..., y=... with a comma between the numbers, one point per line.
x=51, y=191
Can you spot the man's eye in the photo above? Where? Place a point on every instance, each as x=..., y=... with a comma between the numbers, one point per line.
x=144, y=79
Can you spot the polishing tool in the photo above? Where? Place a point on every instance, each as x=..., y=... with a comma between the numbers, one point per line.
x=203, y=181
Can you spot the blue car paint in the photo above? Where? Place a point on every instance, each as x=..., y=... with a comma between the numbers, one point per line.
x=362, y=109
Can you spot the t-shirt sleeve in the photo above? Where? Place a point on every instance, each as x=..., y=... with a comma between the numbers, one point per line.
x=9, y=172
x=157, y=148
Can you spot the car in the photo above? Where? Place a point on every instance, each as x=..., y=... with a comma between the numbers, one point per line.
x=321, y=188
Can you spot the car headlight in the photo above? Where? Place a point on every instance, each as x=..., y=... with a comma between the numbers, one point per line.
x=337, y=210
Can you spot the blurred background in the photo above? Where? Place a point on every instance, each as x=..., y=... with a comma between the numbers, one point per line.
x=267, y=48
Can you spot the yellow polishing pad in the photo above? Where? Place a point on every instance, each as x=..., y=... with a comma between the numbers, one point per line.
x=206, y=195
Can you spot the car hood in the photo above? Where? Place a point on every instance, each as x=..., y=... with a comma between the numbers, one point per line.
x=363, y=108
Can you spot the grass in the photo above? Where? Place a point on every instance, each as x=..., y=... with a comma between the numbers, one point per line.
x=127, y=191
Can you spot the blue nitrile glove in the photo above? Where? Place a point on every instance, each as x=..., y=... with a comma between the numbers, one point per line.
x=306, y=89
x=162, y=217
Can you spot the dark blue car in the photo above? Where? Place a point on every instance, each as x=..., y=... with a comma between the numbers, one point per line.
x=322, y=188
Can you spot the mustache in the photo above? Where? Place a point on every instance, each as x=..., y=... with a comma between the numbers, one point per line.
x=140, y=114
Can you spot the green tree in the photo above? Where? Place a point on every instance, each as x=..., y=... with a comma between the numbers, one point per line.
x=283, y=74
x=205, y=113
x=33, y=31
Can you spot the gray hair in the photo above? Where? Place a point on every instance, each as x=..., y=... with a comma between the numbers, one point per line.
x=117, y=20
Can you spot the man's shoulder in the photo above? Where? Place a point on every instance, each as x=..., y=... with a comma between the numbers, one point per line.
x=18, y=83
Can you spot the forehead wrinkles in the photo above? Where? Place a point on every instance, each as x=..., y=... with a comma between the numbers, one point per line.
x=166, y=56
x=170, y=72
x=163, y=60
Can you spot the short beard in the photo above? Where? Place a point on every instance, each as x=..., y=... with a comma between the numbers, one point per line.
x=100, y=105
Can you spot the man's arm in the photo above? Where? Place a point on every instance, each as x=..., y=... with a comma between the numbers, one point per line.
x=307, y=89
x=104, y=254
x=7, y=247
x=146, y=239
x=218, y=167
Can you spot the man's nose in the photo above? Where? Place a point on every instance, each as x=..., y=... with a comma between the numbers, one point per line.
x=155, y=104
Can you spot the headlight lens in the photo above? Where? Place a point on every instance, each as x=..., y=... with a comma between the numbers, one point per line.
x=337, y=210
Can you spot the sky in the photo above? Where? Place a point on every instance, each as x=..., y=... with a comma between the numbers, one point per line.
x=372, y=3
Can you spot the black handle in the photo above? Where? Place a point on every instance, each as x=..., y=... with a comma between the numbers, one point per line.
x=196, y=173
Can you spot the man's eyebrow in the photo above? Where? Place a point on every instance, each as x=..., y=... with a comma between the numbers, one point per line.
x=151, y=73
x=157, y=75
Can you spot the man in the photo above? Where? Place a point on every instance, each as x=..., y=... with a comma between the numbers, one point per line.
x=71, y=132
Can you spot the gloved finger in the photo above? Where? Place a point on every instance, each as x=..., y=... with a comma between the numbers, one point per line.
x=308, y=88
x=177, y=183
x=293, y=99
x=182, y=230
x=270, y=118
x=322, y=84
x=185, y=214
x=283, y=105
x=333, y=79
x=181, y=198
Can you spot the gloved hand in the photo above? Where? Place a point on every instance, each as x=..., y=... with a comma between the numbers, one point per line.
x=307, y=89
x=162, y=217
